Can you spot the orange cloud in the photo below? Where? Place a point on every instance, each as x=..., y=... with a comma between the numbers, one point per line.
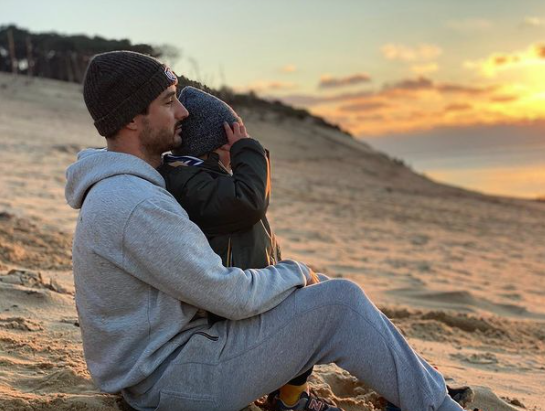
x=364, y=106
x=490, y=66
x=467, y=90
x=421, y=103
x=402, y=89
x=307, y=100
x=401, y=52
x=290, y=68
x=420, y=83
x=418, y=104
x=328, y=81
x=267, y=86
x=424, y=83
x=370, y=118
x=458, y=107
x=405, y=119
x=503, y=99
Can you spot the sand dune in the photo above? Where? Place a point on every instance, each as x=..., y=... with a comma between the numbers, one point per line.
x=460, y=273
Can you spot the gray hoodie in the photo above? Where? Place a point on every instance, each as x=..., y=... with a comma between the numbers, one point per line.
x=143, y=270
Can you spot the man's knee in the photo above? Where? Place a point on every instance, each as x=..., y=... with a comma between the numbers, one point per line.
x=340, y=292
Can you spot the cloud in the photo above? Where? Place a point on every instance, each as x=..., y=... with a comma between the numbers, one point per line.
x=458, y=107
x=289, y=68
x=530, y=22
x=262, y=86
x=313, y=100
x=539, y=51
x=423, y=83
x=533, y=55
x=423, y=69
x=417, y=103
x=420, y=83
x=400, y=52
x=405, y=88
x=364, y=106
x=328, y=81
x=469, y=25
x=371, y=118
x=503, y=99
x=467, y=90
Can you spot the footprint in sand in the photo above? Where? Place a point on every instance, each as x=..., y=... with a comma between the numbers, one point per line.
x=478, y=359
x=420, y=239
x=66, y=378
x=19, y=323
x=71, y=149
x=31, y=279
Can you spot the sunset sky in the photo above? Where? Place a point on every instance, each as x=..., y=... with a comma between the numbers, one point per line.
x=374, y=67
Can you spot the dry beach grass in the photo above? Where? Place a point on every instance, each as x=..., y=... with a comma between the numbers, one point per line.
x=460, y=273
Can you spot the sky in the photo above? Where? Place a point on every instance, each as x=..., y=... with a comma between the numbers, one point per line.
x=376, y=68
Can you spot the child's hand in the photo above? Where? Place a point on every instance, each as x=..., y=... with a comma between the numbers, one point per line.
x=314, y=279
x=236, y=133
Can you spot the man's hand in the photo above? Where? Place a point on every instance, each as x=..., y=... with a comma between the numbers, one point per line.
x=234, y=134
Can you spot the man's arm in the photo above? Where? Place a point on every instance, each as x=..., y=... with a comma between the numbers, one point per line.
x=164, y=249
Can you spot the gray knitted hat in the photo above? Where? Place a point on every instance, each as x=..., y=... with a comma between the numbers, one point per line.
x=119, y=85
x=203, y=130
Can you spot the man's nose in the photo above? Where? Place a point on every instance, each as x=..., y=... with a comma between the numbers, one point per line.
x=182, y=112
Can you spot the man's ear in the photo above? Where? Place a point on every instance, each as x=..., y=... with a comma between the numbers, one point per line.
x=133, y=124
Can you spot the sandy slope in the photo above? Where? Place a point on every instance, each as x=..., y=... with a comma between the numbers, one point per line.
x=461, y=274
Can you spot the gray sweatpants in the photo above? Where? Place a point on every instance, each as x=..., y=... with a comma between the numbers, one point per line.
x=235, y=362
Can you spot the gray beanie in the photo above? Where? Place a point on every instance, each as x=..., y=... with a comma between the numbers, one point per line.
x=119, y=85
x=202, y=131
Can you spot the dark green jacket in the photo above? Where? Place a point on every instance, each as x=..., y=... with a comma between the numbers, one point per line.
x=230, y=210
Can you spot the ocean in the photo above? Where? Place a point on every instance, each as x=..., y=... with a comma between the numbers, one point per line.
x=504, y=160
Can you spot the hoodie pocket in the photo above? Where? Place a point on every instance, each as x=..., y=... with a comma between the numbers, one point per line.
x=210, y=337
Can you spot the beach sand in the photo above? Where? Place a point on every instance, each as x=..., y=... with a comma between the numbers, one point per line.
x=460, y=273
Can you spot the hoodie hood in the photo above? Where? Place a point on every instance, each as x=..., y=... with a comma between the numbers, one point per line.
x=94, y=165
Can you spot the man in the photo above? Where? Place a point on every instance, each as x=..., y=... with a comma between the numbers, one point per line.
x=144, y=273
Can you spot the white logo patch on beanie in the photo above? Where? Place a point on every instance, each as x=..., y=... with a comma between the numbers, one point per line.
x=170, y=75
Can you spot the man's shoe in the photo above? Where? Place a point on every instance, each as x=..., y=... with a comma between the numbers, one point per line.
x=307, y=402
x=462, y=395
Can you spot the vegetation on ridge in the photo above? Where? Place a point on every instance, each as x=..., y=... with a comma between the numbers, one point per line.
x=65, y=57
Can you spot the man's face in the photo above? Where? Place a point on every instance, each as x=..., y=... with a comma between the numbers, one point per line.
x=162, y=126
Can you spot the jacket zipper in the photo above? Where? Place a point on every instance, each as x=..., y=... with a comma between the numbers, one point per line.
x=274, y=258
x=229, y=253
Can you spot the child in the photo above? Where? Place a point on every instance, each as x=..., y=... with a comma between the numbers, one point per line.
x=220, y=176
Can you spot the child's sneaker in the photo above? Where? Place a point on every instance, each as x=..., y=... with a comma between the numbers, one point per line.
x=306, y=402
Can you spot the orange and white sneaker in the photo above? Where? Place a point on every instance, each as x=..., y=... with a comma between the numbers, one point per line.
x=307, y=402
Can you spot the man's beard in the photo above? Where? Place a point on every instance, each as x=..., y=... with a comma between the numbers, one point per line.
x=156, y=142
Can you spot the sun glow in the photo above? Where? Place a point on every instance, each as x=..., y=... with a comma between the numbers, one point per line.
x=515, y=95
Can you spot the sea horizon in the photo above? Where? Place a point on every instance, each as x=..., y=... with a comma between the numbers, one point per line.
x=495, y=160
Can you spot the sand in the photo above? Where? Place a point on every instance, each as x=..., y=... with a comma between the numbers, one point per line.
x=460, y=273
